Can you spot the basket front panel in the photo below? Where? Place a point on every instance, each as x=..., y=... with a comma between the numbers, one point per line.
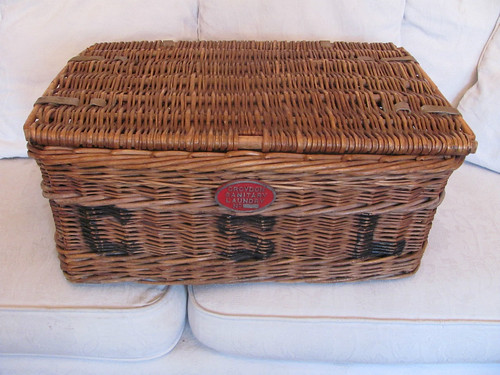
x=108, y=244
x=153, y=217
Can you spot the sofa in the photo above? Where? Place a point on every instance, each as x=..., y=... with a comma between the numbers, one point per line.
x=443, y=319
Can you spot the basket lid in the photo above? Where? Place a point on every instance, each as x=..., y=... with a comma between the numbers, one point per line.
x=303, y=97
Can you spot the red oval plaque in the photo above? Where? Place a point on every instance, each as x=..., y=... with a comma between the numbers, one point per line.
x=245, y=195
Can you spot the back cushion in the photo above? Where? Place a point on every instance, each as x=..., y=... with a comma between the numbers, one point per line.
x=347, y=20
x=447, y=38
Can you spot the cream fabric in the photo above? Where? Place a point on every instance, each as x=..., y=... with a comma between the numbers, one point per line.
x=447, y=38
x=354, y=20
x=190, y=357
x=449, y=311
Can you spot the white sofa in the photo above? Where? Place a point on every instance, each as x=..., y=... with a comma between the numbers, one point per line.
x=444, y=319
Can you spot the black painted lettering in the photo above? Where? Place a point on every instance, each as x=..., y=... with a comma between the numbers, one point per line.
x=98, y=236
x=366, y=247
x=242, y=229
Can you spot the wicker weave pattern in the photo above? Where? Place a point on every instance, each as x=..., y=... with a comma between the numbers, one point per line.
x=346, y=217
x=304, y=97
x=134, y=139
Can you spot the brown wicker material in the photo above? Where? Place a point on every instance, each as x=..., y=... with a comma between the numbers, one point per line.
x=135, y=139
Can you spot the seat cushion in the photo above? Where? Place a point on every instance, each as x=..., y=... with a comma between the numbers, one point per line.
x=449, y=311
x=41, y=313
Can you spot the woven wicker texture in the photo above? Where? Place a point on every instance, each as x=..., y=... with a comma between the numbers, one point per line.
x=134, y=140
x=146, y=216
x=304, y=97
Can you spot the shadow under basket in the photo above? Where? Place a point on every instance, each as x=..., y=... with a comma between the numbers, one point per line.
x=224, y=162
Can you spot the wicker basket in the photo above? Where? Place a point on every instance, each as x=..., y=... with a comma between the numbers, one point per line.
x=223, y=162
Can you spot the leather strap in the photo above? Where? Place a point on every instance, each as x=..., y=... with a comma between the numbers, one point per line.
x=98, y=102
x=86, y=58
x=58, y=100
x=398, y=59
x=402, y=106
x=444, y=110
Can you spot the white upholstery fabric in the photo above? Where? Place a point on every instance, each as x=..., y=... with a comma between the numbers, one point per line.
x=190, y=357
x=447, y=38
x=480, y=106
x=43, y=314
x=448, y=312
x=37, y=38
x=354, y=20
